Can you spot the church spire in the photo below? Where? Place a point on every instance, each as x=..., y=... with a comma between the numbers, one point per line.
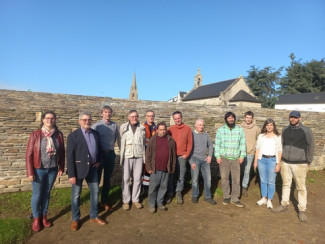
x=198, y=79
x=134, y=90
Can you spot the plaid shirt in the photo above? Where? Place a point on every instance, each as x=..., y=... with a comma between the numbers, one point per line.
x=230, y=143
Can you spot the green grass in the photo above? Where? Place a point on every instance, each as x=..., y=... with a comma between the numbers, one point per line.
x=15, y=211
x=14, y=230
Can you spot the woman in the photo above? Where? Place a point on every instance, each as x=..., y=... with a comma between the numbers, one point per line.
x=45, y=158
x=267, y=159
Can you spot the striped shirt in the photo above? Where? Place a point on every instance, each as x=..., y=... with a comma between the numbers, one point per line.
x=230, y=143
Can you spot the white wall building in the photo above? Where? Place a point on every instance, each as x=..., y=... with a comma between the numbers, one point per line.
x=313, y=102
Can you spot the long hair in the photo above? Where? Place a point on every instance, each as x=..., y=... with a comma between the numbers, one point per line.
x=269, y=121
x=43, y=116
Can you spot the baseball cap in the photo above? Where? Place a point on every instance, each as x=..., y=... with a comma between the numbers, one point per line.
x=295, y=114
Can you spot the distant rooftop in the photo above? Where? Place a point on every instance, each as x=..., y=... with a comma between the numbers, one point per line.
x=302, y=98
x=244, y=96
x=208, y=91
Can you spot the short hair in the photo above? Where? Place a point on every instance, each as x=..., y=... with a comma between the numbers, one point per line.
x=199, y=119
x=160, y=124
x=249, y=113
x=106, y=107
x=177, y=112
x=82, y=113
x=133, y=111
x=230, y=114
x=150, y=111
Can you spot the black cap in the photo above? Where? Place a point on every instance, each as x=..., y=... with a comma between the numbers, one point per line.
x=295, y=114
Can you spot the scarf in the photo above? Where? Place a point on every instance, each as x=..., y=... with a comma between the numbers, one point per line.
x=50, y=148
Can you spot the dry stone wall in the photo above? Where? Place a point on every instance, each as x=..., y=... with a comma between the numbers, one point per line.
x=20, y=115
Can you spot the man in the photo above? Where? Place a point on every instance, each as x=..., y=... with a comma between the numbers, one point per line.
x=83, y=159
x=151, y=129
x=132, y=156
x=160, y=162
x=251, y=131
x=297, y=155
x=200, y=161
x=109, y=134
x=182, y=135
x=230, y=151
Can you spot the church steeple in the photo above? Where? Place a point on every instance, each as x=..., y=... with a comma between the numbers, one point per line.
x=134, y=90
x=198, y=79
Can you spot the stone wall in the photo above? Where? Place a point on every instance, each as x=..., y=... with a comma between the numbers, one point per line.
x=20, y=115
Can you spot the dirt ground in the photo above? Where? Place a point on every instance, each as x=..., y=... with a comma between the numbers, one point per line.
x=201, y=222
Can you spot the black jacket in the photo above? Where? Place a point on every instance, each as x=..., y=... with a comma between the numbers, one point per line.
x=298, y=144
x=78, y=154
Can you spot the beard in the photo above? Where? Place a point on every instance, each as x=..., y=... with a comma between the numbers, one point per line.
x=230, y=125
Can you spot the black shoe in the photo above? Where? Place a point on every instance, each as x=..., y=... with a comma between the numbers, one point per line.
x=210, y=200
x=169, y=199
x=226, y=201
x=238, y=204
x=194, y=199
x=163, y=208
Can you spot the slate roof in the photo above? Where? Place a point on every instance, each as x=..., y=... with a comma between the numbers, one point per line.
x=302, y=98
x=208, y=91
x=182, y=94
x=243, y=96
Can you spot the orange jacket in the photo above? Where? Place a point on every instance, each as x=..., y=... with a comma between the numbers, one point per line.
x=183, y=137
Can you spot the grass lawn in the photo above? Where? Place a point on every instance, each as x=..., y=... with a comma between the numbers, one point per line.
x=15, y=211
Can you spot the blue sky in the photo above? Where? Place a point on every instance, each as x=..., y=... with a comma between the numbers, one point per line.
x=94, y=47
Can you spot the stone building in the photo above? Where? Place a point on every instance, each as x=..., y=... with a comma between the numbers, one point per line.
x=233, y=92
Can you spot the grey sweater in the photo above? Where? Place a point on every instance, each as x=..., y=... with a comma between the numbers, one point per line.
x=201, y=142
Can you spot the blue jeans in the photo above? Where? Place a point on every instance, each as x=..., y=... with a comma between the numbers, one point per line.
x=157, y=188
x=206, y=174
x=42, y=185
x=266, y=169
x=108, y=166
x=248, y=165
x=180, y=170
x=92, y=181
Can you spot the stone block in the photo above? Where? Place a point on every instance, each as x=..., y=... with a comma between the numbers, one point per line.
x=7, y=190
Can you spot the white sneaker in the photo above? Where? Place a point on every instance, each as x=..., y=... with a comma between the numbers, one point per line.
x=262, y=201
x=269, y=204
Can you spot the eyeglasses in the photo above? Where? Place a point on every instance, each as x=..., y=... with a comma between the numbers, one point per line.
x=85, y=120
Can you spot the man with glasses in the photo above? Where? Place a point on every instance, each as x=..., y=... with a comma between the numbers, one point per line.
x=132, y=156
x=83, y=159
x=297, y=155
x=109, y=134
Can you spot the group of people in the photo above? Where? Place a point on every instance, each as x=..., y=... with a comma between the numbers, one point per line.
x=152, y=153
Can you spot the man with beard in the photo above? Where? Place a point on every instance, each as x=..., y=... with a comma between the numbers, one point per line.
x=230, y=151
x=297, y=155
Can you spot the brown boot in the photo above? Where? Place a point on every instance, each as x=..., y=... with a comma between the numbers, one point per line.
x=46, y=223
x=36, y=225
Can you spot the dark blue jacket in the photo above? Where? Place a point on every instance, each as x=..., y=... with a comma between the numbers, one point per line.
x=78, y=154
